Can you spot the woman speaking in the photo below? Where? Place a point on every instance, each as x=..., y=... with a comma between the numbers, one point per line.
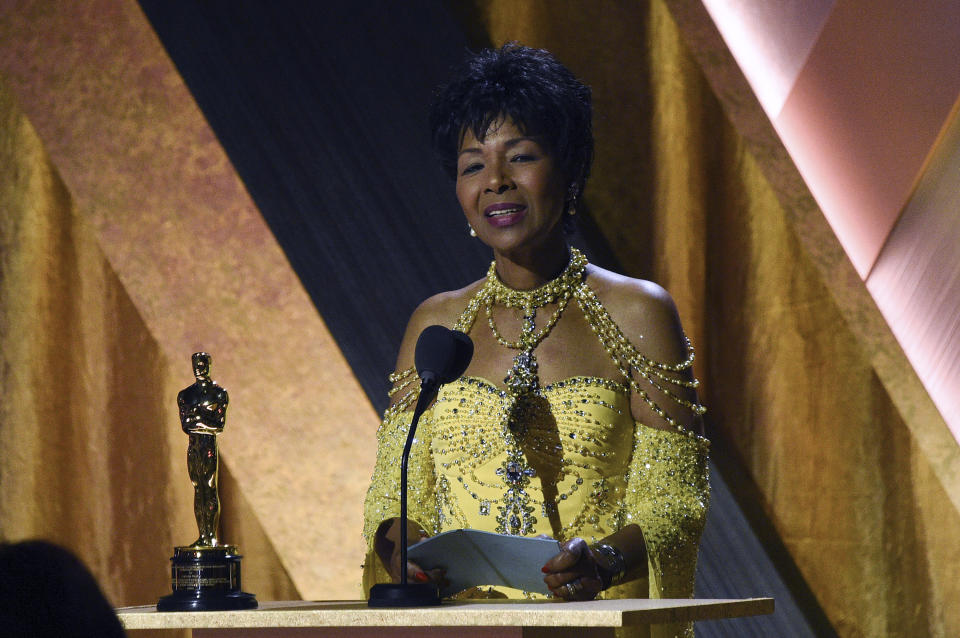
x=578, y=416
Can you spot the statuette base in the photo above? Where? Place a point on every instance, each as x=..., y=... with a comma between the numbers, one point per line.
x=206, y=579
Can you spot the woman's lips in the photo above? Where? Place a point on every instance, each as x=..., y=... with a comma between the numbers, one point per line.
x=504, y=214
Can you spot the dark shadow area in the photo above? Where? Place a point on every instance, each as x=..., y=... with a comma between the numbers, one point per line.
x=47, y=592
x=322, y=108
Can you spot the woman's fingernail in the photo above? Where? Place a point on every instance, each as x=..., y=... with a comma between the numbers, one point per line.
x=422, y=577
x=545, y=569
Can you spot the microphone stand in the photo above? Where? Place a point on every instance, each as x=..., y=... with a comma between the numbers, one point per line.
x=404, y=594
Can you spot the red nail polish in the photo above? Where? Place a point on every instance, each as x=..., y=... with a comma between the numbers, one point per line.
x=545, y=569
x=422, y=577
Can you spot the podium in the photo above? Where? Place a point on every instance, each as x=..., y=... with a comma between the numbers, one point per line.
x=463, y=619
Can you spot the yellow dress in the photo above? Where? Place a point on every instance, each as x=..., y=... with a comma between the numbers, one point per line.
x=591, y=470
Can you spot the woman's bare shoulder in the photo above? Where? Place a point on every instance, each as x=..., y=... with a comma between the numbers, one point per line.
x=647, y=316
x=644, y=311
x=635, y=298
x=443, y=308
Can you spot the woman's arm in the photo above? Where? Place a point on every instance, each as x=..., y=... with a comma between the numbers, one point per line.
x=382, y=504
x=654, y=329
x=663, y=539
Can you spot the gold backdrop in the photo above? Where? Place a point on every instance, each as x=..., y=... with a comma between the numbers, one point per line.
x=69, y=418
x=89, y=462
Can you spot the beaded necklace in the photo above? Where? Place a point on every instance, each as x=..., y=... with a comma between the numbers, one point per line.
x=522, y=377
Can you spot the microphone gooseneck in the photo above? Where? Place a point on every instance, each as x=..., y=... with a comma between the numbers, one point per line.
x=441, y=356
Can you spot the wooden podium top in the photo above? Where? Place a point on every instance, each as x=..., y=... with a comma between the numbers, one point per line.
x=465, y=613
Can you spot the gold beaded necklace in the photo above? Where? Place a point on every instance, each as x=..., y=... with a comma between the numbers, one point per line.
x=522, y=376
x=571, y=282
x=557, y=291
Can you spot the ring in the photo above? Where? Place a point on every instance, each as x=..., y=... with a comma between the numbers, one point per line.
x=574, y=587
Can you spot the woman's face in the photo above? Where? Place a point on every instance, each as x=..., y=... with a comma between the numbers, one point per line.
x=510, y=188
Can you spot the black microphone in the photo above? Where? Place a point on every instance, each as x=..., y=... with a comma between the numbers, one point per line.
x=462, y=358
x=441, y=356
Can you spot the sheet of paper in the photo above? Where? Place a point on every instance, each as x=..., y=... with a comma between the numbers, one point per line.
x=472, y=557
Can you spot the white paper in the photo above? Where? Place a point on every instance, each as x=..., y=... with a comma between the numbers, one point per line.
x=475, y=558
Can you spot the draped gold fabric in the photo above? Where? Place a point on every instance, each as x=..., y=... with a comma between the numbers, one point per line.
x=91, y=452
x=62, y=434
x=791, y=392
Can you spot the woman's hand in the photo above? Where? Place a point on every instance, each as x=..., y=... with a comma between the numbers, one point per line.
x=387, y=546
x=573, y=574
x=580, y=572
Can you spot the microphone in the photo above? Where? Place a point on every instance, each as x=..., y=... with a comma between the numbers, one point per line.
x=441, y=356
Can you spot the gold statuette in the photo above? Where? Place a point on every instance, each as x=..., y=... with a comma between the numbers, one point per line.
x=205, y=575
x=203, y=413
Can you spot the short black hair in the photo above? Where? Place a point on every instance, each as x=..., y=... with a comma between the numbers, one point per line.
x=542, y=97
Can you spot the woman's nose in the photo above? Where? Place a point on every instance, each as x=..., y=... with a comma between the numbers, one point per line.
x=499, y=182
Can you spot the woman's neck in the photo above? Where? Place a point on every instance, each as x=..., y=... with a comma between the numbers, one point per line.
x=533, y=268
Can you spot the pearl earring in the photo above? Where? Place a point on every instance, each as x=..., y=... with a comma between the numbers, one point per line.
x=573, y=193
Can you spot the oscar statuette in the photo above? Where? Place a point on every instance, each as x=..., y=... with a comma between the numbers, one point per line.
x=205, y=576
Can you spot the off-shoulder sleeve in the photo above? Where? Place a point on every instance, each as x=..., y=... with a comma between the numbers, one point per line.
x=667, y=496
x=383, y=496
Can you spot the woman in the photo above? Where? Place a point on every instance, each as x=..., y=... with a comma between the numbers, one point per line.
x=578, y=416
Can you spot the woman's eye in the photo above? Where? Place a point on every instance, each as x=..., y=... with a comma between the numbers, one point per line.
x=471, y=168
x=522, y=157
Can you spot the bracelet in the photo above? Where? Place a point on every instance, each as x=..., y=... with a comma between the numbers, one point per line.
x=613, y=566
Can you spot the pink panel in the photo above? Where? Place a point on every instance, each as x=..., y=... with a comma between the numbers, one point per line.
x=916, y=281
x=770, y=40
x=866, y=110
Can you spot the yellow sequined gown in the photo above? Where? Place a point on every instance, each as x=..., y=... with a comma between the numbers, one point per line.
x=579, y=466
